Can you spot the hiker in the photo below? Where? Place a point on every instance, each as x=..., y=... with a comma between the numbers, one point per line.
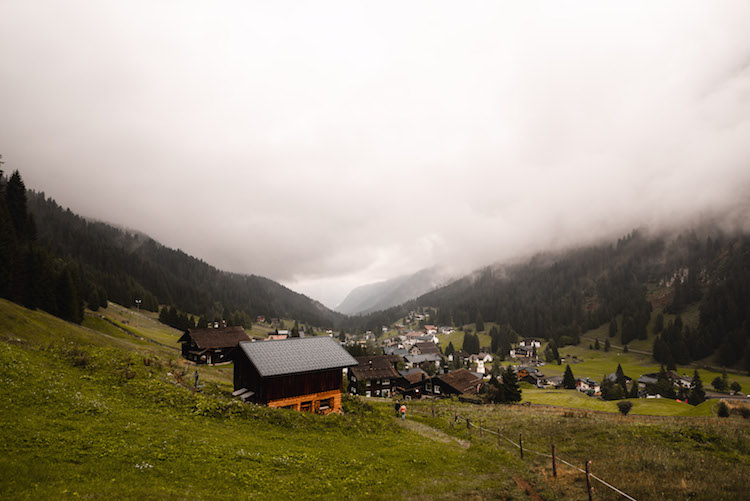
x=396, y=407
x=403, y=412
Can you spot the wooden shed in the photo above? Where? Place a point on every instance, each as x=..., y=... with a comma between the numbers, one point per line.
x=304, y=374
x=212, y=346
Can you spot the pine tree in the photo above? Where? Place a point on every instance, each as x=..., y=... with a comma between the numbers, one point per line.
x=479, y=322
x=510, y=385
x=597, y=346
x=450, y=350
x=612, y=327
x=607, y=345
x=697, y=394
x=569, y=381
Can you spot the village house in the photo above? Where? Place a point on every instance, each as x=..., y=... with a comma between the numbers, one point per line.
x=420, y=360
x=457, y=382
x=374, y=376
x=586, y=385
x=430, y=329
x=530, y=343
x=412, y=383
x=459, y=355
x=304, y=374
x=423, y=348
x=531, y=375
x=212, y=346
x=522, y=352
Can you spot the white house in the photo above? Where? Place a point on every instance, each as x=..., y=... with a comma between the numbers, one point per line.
x=530, y=343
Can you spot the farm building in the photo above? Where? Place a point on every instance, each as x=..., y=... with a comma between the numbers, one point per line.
x=460, y=381
x=304, y=374
x=212, y=346
x=375, y=376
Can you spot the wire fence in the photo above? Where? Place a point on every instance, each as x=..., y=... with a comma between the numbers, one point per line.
x=554, y=457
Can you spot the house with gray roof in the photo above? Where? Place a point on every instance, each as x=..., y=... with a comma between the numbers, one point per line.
x=304, y=374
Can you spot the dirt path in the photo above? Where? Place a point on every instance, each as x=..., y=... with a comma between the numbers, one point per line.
x=432, y=433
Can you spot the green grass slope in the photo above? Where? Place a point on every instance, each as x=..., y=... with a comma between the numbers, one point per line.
x=93, y=414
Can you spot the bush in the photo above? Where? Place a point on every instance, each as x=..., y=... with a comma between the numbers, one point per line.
x=723, y=410
x=624, y=407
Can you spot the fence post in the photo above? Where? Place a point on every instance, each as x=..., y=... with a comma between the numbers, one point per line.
x=554, y=461
x=588, y=480
x=467, y=426
x=520, y=443
x=433, y=408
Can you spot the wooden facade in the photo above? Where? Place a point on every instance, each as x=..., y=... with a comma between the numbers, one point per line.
x=295, y=386
x=212, y=346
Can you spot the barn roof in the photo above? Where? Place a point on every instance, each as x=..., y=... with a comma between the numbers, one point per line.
x=224, y=337
x=376, y=367
x=462, y=380
x=296, y=355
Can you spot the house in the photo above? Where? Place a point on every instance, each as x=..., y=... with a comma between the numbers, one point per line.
x=554, y=382
x=430, y=329
x=212, y=346
x=374, y=376
x=395, y=350
x=530, y=343
x=458, y=382
x=424, y=349
x=531, y=375
x=459, y=355
x=522, y=352
x=446, y=330
x=298, y=373
x=276, y=337
x=418, y=360
x=587, y=385
x=412, y=383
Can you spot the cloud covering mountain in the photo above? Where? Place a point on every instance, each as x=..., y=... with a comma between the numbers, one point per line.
x=332, y=144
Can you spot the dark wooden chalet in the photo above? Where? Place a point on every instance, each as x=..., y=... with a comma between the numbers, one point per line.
x=413, y=383
x=457, y=382
x=212, y=346
x=297, y=373
x=374, y=376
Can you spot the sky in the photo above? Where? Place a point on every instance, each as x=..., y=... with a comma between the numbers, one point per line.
x=327, y=145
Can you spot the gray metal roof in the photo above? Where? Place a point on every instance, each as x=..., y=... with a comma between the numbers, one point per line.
x=296, y=355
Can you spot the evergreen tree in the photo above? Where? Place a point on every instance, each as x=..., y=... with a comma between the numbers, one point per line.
x=597, y=346
x=612, y=327
x=479, y=322
x=569, y=381
x=633, y=390
x=511, y=387
x=607, y=345
x=697, y=394
x=450, y=350
x=620, y=379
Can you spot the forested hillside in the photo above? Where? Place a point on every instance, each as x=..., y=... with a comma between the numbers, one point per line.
x=126, y=266
x=55, y=260
x=626, y=286
x=560, y=297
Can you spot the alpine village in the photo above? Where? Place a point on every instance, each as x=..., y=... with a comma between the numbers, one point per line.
x=132, y=370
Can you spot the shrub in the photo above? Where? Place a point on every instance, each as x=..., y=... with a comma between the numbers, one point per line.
x=723, y=410
x=624, y=407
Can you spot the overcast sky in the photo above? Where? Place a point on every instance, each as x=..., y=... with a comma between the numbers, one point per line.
x=331, y=144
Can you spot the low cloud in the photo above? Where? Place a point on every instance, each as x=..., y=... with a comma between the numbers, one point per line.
x=335, y=145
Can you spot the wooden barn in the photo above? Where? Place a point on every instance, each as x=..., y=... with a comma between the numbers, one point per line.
x=212, y=346
x=457, y=382
x=375, y=376
x=304, y=374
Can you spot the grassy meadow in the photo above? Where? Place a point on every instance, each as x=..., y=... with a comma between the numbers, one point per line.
x=99, y=412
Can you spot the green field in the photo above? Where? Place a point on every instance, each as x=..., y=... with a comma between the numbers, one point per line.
x=97, y=412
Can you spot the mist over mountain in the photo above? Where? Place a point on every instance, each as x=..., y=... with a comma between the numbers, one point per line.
x=388, y=293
